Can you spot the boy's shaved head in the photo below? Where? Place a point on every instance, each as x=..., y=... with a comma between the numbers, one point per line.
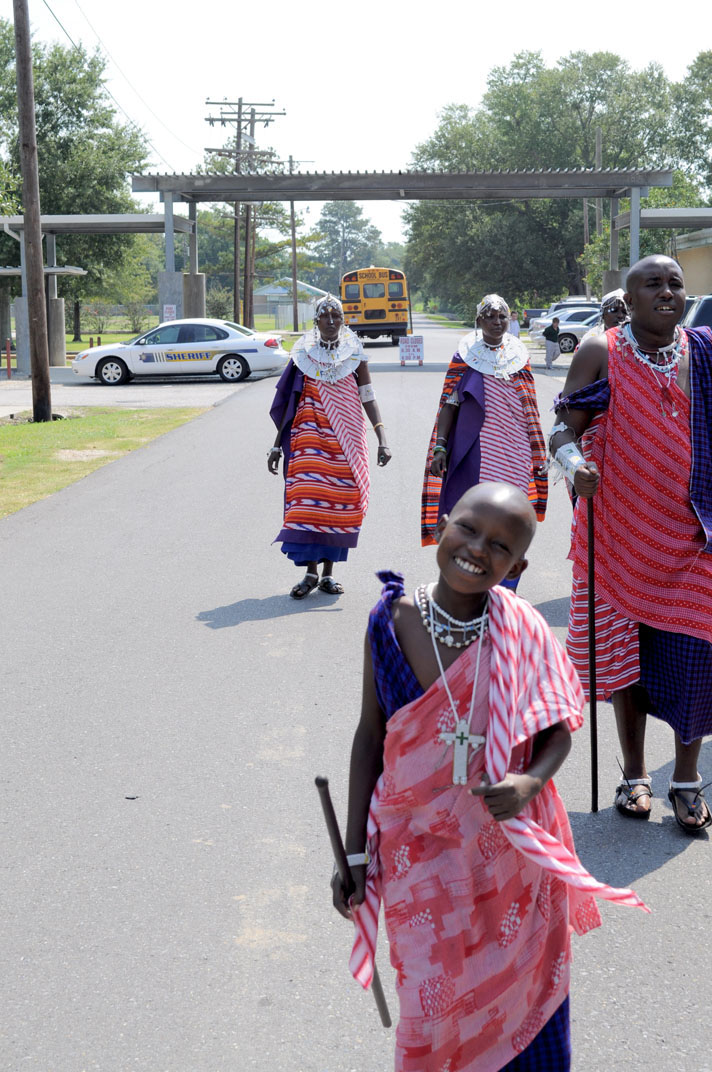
x=504, y=497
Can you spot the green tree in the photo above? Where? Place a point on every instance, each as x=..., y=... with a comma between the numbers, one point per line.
x=346, y=240
x=85, y=155
x=537, y=117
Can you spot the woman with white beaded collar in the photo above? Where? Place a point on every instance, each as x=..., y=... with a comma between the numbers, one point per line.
x=321, y=434
x=487, y=425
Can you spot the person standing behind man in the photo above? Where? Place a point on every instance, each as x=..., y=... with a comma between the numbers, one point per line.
x=514, y=323
x=551, y=337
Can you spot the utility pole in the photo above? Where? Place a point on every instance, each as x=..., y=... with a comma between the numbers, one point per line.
x=293, y=223
x=235, y=113
x=599, y=202
x=36, y=308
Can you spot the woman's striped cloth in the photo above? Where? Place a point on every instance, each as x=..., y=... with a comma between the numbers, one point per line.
x=523, y=382
x=327, y=482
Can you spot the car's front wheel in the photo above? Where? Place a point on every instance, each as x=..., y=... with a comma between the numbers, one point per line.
x=567, y=343
x=232, y=369
x=112, y=371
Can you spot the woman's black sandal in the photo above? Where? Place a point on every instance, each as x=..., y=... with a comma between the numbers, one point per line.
x=305, y=586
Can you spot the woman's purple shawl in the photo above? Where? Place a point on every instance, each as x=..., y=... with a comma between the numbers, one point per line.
x=596, y=396
x=286, y=399
x=464, y=458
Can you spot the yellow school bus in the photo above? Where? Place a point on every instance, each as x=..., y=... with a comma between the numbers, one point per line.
x=376, y=302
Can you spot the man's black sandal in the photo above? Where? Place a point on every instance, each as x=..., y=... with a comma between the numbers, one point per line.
x=694, y=807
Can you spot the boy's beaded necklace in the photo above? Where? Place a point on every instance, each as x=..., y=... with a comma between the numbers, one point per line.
x=460, y=737
x=442, y=626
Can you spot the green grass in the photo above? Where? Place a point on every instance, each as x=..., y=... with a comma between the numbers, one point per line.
x=460, y=324
x=38, y=459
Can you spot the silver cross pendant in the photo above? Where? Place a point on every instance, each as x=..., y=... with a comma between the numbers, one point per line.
x=461, y=738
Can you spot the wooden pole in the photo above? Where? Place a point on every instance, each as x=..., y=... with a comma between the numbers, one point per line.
x=236, y=272
x=36, y=309
x=593, y=711
x=342, y=866
x=599, y=202
x=293, y=224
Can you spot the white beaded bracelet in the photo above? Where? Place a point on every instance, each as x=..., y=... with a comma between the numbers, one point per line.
x=357, y=859
x=570, y=459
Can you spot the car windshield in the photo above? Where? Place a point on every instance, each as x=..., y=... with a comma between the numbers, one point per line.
x=238, y=327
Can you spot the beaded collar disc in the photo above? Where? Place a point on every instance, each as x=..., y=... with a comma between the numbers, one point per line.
x=328, y=362
x=499, y=361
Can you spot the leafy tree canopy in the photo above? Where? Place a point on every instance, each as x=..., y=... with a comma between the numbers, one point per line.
x=537, y=117
x=85, y=155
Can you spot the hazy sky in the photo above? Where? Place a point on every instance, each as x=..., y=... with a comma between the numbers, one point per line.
x=361, y=88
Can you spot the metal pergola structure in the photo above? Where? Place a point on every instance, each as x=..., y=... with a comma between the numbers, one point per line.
x=612, y=184
x=104, y=223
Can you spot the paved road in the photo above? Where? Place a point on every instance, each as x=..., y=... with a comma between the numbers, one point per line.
x=166, y=707
x=67, y=390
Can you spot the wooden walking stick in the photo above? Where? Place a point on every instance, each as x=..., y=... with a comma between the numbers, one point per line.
x=342, y=866
x=593, y=714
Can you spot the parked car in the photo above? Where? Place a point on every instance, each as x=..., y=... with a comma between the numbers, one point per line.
x=699, y=314
x=531, y=314
x=185, y=347
x=571, y=302
x=573, y=325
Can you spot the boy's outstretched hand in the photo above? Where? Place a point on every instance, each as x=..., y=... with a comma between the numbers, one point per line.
x=508, y=797
x=341, y=904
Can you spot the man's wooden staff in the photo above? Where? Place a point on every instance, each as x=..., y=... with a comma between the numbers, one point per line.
x=347, y=881
x=593, y=714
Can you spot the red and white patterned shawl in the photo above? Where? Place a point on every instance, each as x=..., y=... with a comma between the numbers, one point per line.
x=525, y=900
x=650, y=561
x=342, y=405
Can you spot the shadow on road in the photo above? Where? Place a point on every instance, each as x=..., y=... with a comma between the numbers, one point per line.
x=260, y=610
x=555, y=612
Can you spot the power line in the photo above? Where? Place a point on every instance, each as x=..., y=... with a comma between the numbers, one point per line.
x=129, y=83
x=131, y=120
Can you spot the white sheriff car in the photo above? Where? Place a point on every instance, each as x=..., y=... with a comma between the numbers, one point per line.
x=186, y=347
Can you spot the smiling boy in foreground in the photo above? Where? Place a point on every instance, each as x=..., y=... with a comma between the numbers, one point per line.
x=468, y=706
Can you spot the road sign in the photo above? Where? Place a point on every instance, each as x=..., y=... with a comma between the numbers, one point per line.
x=411, y=349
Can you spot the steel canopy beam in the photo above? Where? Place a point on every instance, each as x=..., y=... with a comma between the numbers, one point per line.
x=401, y=185
x=111, y=223
x=667, y=218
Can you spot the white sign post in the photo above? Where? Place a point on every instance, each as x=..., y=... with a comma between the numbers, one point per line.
x=411, y=349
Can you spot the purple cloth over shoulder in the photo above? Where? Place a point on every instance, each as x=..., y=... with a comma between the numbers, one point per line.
x=396, y=684
x=463, y=454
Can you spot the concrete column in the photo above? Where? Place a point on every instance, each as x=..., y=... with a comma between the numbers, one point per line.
x=170, y=234
x=51, y=263
x=56, y=332
x=193, y=241
x=22, y=336
x=194, y=294
x=5, y=319
x=613, y=259
x=170, y=293
x=612, y=281
x=634, y=225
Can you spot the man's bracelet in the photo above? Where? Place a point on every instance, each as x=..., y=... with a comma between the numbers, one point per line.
x=570, y=459
x=357, y=859
x=437, y=449
x=273, y=449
